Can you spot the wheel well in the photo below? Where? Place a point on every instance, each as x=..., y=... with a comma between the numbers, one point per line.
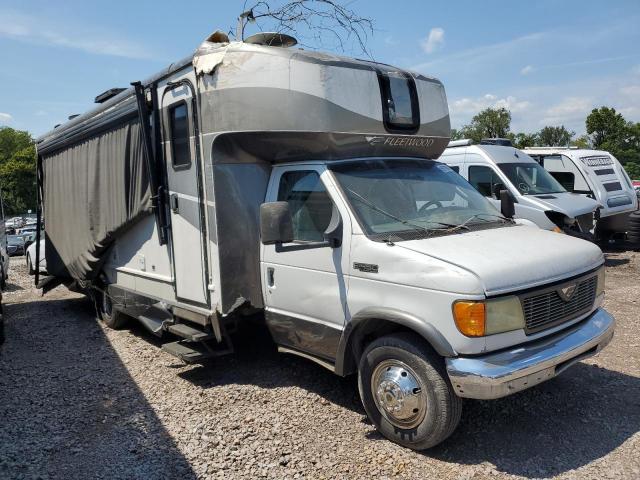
x=366, y=332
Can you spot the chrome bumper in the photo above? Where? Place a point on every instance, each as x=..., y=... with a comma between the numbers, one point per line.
x=509, y=371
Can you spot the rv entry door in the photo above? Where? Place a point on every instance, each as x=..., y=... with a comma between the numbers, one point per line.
x=188, y=227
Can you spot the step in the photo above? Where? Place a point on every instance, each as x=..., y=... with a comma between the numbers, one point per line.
x=190, y=352
x=189, y=333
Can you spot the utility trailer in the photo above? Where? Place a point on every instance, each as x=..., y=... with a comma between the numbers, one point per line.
x=255, y=177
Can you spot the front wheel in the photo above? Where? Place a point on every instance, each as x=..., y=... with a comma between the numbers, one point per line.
x=406, y=392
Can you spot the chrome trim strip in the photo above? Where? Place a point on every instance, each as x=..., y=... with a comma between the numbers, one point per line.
x=509, y=371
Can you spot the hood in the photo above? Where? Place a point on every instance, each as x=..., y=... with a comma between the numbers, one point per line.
x=571, y=204
x=512, y=258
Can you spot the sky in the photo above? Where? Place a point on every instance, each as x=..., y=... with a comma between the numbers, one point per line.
x=550, y=62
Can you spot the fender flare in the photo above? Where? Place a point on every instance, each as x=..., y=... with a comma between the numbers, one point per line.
x=425, y=329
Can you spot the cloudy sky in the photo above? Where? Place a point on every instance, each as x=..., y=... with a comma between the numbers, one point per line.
x=549, y=61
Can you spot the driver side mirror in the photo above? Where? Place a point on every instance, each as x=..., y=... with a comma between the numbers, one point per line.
x=497, y=188
x=276, y=224
x=507, y=205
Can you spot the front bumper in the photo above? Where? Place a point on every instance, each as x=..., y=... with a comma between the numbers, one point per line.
x=509, y=371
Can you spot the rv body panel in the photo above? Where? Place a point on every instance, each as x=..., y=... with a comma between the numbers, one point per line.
x=596, y=174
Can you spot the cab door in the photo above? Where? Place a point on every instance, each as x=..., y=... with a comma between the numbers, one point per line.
x=304, y=284
x=185, y=191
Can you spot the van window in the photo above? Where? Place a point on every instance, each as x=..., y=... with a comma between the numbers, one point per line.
x=309, y=204
x=179, y=127
x=455, y=168
x=483, y=179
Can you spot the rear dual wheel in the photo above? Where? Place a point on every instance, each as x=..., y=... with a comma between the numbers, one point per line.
x=406, y=392
x=110, y=316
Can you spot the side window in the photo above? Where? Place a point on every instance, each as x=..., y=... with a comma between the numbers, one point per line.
x=483, y=179
x=179, y=128
x=309, y=203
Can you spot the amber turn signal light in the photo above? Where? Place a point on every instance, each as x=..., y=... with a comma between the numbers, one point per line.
x=470, y=318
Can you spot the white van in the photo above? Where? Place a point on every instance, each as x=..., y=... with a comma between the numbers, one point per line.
x=596, y=174
x=538, y=197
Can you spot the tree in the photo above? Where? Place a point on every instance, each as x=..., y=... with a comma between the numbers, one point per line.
x=489, y=123
x=633, y=170
x=312, y=22
x=605, y=126
x=456, y=134
x=581, y=142
x=523, y=140
x=17, y=171
x=554, y=136
x=610, y=131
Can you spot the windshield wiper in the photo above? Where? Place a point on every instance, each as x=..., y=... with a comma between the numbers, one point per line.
x=373, y=206
x=479, y=216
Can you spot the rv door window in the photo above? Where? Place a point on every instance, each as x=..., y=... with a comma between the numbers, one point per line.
x=179, y=127
x=309, y=204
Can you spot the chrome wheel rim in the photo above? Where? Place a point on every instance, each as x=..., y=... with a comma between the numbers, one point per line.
x=399, y=394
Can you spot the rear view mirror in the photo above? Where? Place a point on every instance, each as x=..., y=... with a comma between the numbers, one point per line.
x=276, y=225
x=507, y=205
x=497, y=188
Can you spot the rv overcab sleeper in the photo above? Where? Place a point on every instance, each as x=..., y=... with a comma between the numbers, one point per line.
x=249, y=178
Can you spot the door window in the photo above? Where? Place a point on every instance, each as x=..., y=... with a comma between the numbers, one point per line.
x=483, y=179
x=179, y=127
x=309, y=204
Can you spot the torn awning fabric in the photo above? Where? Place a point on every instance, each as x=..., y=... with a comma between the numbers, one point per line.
x=94, y=190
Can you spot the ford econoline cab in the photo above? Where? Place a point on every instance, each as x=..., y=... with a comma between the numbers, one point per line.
x=539, y=198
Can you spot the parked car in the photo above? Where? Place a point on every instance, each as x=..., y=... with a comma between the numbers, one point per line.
x=16, y=245
x=538, y=197
x=31, y=258
x=596, y=174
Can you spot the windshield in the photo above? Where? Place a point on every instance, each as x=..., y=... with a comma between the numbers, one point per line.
x=531, y=178
x=413, y=199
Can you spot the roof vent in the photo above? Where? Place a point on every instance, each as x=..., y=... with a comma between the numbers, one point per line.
x=104, y=96
x=272, y=39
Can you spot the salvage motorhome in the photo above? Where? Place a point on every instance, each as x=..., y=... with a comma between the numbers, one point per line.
x=257, y=178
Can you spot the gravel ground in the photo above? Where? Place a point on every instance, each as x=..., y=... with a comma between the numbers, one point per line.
x=79, y=401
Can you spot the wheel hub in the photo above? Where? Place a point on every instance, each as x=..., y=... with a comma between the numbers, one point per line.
x=398, y=393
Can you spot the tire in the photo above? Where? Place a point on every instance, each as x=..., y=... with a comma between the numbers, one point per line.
x=633, y=234
x=32, y=271
x=422, y=420
x=111, y=317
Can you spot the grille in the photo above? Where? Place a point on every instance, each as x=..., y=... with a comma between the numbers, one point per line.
x=547, y=309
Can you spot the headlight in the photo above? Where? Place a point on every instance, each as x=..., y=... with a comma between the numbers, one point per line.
x=600, y=286
x=481, y=318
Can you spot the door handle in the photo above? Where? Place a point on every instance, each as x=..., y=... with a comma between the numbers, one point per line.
x=173, y=202
x=271, y=277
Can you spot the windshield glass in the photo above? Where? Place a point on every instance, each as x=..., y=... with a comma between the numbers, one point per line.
x=531, y=178
x=413, y=199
